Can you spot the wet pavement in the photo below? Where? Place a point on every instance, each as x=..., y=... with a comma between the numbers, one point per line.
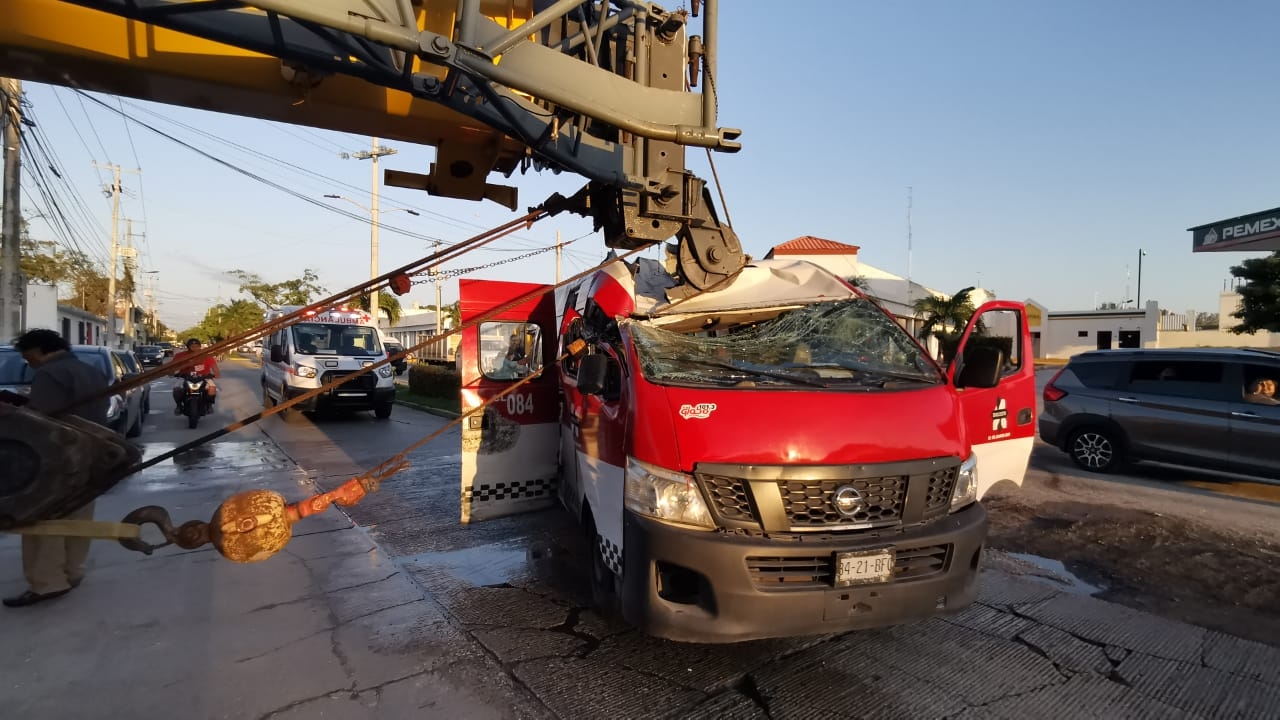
x=412, y=614
x=1035, y=644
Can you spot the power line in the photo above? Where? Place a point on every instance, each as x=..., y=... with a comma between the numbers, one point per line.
x=58, y=96
x=447, y=219
x=92, y=129
x=263, y=180
x=142, y=198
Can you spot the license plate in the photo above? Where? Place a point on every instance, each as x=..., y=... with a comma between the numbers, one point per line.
x=859, y=568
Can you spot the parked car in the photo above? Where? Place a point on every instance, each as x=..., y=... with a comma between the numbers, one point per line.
x=167, y=347
x=394, y=347
x=150, y=355
x=1198, y=407
x=133, y=366
x=124, y=412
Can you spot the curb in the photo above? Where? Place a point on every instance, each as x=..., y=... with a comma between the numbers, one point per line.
x=447, y=414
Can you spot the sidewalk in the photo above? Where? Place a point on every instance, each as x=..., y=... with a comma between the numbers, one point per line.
x=327, y=628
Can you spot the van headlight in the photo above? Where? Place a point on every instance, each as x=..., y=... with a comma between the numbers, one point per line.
x=665, y=495
x=966, y=489
x=305, y=371
x=386, y=371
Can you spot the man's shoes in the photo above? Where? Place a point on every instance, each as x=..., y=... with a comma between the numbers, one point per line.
x=31, y=598
x=177, y=409
x=75, y=583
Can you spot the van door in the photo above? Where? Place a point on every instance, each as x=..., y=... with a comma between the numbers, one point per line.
x=1000, y=421
x=510, y=451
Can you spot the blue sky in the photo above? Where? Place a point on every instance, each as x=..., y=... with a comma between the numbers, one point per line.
x=1045, y=145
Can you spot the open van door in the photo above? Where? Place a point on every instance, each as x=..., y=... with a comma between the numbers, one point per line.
x=510, y=451
x=995, y=376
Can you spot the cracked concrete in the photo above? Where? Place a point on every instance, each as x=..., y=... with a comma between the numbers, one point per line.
x=421, y=617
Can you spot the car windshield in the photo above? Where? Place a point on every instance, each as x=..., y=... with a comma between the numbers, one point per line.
x=13, y=369
x=148, y=349
x=327, y=339
x=845, y=344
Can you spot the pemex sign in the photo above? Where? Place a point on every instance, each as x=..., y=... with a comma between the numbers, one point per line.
x=1247, y=233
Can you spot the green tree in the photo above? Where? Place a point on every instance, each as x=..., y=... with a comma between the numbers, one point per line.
x=945, y=319
x=859, y=282
x=1259, y=295
x=1207, y=321
x=298, y=291
x=227, y=320
x=389, y=305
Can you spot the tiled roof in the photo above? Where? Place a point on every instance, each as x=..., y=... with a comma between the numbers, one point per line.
x=809, y=245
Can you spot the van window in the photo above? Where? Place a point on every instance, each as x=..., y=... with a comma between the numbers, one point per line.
x=330, y=339
x=1179, y=378
x=510, y=350
x=1002, y=330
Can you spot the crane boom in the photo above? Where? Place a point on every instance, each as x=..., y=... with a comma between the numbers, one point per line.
x=602, y=89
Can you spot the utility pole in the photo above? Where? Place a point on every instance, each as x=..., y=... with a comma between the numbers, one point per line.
x=558, y=246
x=12, y=285
x=130, y=256
x=115, y=248
x=373, y=154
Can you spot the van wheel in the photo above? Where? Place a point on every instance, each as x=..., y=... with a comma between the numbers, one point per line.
x=136, y=429
x=266, y=397
x=604, y=583
x=382, y=412
x=286, y=415
x=1094, y=449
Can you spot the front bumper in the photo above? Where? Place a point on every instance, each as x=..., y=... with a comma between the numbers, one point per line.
x=712, y=587
x=343, y=399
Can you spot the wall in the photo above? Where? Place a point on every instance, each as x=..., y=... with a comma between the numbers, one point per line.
x=1060, y=331
x=42, y=307
x=1217, y=338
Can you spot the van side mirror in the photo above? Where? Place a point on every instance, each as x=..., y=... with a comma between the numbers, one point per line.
x=980, y=367
x=277, y=353
x=591, y=374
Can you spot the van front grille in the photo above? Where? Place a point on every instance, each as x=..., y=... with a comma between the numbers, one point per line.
x=809, y=572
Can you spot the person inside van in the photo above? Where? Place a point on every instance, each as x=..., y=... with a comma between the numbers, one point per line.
x=1262, y=392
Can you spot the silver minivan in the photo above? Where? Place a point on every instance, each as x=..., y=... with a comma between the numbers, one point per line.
x=322, y=346
x=1211, y=408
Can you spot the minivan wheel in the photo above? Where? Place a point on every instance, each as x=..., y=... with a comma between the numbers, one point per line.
x=1094, y=449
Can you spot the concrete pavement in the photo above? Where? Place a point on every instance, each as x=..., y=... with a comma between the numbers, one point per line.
x=328, y=628
x=420, y=617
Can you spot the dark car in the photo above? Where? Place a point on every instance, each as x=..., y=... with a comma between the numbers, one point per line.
x=1202, y=407
x=150, y=355
x=133, y=367
x=393, y=347
x=124, y=412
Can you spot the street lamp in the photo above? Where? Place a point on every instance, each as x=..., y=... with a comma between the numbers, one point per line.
x=373, y=243
x=1141, y=254
x=151, y=304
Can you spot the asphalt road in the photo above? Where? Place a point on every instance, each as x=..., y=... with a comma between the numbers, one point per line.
x=1035, y=645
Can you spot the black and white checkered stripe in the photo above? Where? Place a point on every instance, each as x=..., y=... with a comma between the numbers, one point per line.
x=611, y=553
x=510, y=490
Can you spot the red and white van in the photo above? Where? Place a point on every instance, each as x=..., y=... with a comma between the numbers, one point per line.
x=776, y=458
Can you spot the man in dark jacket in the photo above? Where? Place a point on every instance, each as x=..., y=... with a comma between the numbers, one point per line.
x=54, y=565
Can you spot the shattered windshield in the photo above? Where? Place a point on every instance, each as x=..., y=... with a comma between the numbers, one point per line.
x=847, y=344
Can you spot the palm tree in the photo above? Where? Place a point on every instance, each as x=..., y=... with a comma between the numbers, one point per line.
x=387, y=303
x=945, y=319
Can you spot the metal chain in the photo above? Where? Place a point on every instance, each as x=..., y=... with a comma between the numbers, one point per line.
x=436, y=275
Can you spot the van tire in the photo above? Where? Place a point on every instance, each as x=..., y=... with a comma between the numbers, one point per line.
x=604, y=583
x=382, y=412
x=1095, y=449
x=286, y=415
x=266, y=398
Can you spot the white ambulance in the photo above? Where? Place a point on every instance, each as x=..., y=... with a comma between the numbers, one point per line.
x=324, y=345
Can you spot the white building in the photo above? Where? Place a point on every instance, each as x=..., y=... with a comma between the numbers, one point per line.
x=1063, y=333
x=893, y=292
x=417, y=325
x=76, y=326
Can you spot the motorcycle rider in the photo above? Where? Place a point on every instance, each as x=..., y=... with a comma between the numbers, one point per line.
x=207, y=367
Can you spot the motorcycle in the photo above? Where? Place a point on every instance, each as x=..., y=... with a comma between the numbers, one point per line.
x=195, y=397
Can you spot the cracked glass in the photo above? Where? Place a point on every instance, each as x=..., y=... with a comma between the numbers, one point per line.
x=843, y=344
